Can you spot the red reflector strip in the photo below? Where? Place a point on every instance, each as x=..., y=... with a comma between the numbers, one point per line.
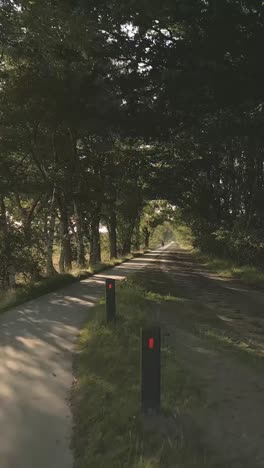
x=151, y=342
x=110, y=285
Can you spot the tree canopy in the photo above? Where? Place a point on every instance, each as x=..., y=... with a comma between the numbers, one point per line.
x=105, y=106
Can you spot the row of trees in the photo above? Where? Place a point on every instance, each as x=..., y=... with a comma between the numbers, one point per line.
x=63, y=166
x=211, y=95
x=104, y=106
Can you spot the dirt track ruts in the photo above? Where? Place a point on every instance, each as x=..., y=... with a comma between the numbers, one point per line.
x=229, y=423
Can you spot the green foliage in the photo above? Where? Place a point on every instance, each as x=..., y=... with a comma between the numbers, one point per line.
x=183, y=235
x=156, y=213
x=106, y=106
x=227, y=268
x=164, y=232
x=109, y=430
x=236, y=244
x=31, y=291
x=8, y=250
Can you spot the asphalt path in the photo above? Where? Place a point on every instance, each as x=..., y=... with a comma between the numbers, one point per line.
x=37, y=342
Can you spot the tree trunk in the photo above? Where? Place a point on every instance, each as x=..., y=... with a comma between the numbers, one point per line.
x=4, y=273
x=251, y=205
x=126, y=246
x=146, y=238
x=7, y=268
x=126, y=249
x=112, y=234
x=61, y=260
x=50, y=270
x=137, y=236
x=11, y=276
x=251, y=182
x=95, y=249
x=65, y=263
x=79, y=236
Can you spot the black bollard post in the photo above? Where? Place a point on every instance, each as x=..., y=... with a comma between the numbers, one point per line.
x=110, y=302
x=150, y=369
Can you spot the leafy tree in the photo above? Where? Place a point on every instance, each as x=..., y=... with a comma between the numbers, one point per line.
x=155, y=213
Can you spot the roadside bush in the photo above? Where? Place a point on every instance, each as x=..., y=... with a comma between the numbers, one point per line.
x=243, y=247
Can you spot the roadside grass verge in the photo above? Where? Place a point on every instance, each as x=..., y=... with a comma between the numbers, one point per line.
x=220, y=328
x=27, y=291
x=247, y=274
x=109, y=430
x=241, y=347
x=224, y=267
x=114, y=262
x=227, y=269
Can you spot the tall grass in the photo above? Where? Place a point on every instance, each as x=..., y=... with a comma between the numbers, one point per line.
x=109, y=429
x=28, y=291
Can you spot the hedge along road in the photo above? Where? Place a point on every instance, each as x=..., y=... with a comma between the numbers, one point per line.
x=36, y=350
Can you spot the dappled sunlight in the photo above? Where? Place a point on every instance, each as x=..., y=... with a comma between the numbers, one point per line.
x=36, y=345
x=238, y=289
x=126, y=268
x=235, y=311
x=202, y=350
x=95, y=280
x=33, y=385
x=6, y=392
x=35, y=377
x=113, y=276
x=30, y=342
x=138, y=261
x=83, y=301
x=135, y=266
x=224, y=318
x=157, y=251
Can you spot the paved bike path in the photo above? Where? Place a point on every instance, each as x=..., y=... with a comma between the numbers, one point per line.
x=36, y=346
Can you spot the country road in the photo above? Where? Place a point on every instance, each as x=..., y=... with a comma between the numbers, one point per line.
x=216, y=330
x=36, y=347
x=126, y=124
x=37, y=344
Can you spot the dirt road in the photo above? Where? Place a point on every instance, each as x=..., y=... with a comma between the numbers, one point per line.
x=36, y=346
x=216, y=328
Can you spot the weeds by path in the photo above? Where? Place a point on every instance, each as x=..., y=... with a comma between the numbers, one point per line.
x=26, y=292
x=109, y=430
